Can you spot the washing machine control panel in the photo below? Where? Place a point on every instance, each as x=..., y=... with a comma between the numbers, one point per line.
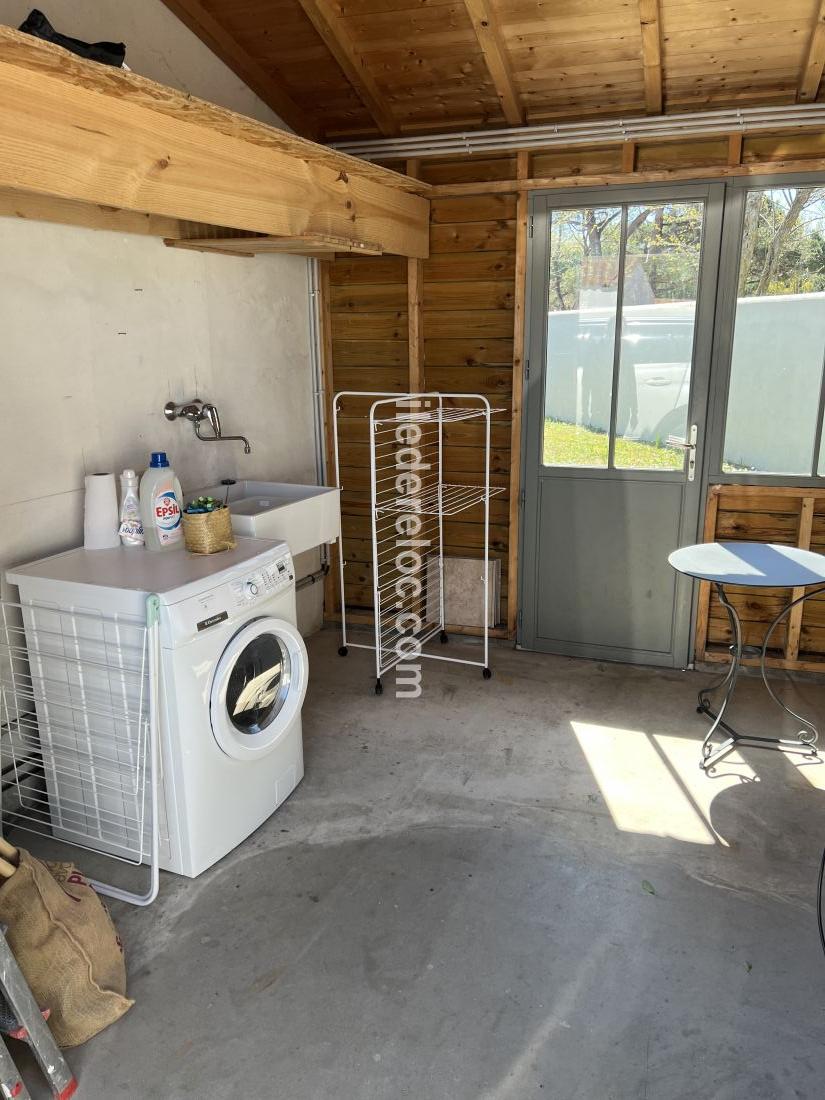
x=228, y=601
x=264, y=582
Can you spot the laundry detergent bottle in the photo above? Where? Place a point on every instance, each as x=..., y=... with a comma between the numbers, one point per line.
x=160, y=498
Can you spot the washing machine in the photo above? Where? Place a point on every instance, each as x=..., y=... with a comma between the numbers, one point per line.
x=233, y=676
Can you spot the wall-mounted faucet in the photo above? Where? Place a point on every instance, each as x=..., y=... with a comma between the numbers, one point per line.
x=197, y=411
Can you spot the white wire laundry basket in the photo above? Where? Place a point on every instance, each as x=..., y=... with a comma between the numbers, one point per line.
x=79, y=732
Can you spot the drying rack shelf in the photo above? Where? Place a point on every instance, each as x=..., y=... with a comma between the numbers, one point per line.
x=445, y=500
x=437, y=415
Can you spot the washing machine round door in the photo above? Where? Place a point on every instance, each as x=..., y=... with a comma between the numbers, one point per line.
x=258, y=688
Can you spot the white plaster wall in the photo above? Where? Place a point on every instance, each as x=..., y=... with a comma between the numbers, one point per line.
x=158, y=45
x=100, y=329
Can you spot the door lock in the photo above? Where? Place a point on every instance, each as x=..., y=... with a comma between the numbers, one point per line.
x=689, y=445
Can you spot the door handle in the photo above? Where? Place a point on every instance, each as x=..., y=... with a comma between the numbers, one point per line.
x=689, y=445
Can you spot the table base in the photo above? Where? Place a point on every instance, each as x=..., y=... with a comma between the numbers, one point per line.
x=711, y=754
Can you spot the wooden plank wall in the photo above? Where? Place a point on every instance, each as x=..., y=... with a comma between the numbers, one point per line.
x=468, y=311
x=469, y=299
x=755, y=513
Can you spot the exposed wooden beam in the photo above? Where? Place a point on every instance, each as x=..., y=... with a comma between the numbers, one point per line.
x=492, y=46
x=331, y=27
x=811, y=76
x=265, y=84
x=92, y=133
x=629, y=157
x=45, y=208
x=610, y=179
x=650, y=21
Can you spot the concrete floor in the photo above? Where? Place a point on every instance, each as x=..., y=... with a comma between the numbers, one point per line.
x=503, y=890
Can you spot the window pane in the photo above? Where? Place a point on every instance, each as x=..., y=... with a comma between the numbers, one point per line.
x=661, y=276
x=779, y=334
x=581, y=330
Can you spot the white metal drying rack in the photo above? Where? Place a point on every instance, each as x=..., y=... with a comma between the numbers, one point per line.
x=409, y=609
x=79, y=718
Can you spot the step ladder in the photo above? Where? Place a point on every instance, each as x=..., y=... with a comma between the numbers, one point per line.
x=35, y=1031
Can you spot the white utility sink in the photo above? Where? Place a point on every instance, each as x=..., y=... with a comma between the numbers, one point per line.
x=303, y=516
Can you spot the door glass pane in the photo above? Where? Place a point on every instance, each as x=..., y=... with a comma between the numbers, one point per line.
x=661, y=277
x=581, y=328
x=258, y=684
x=779, y=334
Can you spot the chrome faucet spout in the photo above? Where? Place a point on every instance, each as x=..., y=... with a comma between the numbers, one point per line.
x=197, y=411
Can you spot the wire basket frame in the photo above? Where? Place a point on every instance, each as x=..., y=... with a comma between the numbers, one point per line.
x=79, y=731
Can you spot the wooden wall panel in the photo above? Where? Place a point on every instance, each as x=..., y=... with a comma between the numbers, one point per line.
x=755, y=513
x=367, y=302
x=469, y=293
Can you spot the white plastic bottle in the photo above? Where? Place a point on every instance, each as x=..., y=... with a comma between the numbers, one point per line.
x=160, y=497
x=131, y=526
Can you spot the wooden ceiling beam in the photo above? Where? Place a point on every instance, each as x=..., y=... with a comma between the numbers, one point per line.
x=651, y=27
x=264, y=84
x=811, y=76
x=91, y=133
x=492, y=47
x=329, y=24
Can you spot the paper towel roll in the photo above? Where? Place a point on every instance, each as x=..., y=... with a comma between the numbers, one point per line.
x=100, y=520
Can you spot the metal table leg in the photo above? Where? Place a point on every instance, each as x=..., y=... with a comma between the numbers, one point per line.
x=807, y=735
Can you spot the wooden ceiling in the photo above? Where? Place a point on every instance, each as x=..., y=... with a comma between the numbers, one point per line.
x=335, y=69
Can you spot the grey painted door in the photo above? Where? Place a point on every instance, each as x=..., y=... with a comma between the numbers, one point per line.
x=621, y=295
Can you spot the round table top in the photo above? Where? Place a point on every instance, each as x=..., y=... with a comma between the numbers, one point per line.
x=755, y=564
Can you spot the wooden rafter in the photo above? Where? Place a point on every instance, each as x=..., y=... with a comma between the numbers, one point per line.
x=811, y=76
x=650, y=22
x=332, y=29
x=492, y=46
x=263, y=83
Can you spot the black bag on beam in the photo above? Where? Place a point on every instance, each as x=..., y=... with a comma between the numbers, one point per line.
x=109, y=53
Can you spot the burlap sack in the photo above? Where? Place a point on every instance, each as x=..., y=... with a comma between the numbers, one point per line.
x=67, y=947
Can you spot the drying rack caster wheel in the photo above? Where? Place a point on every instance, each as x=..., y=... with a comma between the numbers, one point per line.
x=444, y=637
x=379, y=688
x=487, y=673
x=342, y=651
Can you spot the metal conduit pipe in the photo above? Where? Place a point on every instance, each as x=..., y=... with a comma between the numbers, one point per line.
x=694, y=124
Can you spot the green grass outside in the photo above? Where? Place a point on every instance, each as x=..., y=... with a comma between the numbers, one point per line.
x=573, y=445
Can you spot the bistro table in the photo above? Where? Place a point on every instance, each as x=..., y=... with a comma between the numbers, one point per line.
x=751, y=565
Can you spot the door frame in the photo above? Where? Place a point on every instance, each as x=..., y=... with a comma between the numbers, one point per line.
x=712, y=192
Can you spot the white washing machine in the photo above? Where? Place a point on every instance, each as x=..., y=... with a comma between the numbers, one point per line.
x=233, y=679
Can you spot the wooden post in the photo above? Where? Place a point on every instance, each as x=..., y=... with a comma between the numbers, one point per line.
x=735, y=149
x=792, y=638
x=415, y=280
x=629, y=157
x=703, y=607
x=331, y=601
x=522, y=173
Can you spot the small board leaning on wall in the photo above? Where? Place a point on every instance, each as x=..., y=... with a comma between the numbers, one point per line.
x=765, y=513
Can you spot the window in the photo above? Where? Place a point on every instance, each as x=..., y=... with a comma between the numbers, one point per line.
x=621, y=403
x=776, y=389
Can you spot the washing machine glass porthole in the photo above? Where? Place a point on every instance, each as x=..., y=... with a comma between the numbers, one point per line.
x=258, y=684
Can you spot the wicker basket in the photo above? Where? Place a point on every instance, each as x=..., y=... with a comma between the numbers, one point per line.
x=208, y=532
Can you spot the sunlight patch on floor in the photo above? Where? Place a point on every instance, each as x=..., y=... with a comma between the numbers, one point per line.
x=652, y=783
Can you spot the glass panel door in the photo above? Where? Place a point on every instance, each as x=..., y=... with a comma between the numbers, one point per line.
x=622, y=293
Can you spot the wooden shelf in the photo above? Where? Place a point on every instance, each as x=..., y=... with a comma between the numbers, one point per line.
x=85, y=133
x=316, y=245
